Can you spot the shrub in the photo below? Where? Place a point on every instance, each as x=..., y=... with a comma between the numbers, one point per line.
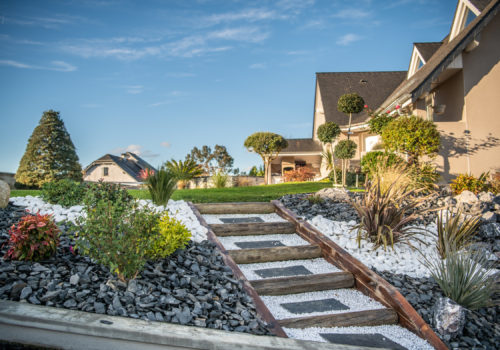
x=117, y=235
x=328, y=132
x=300, y=174
x=465, y=182
x=161, y=185
x=463, y=278
x=219, y=179
x=145, y=173
x=33, y=238
x=383, y=214
x=454, y=232
x=371, y=160
x=425, y=175
x=345, y=150
x=63, y=192
x=350, y=177
x=315, y=199
x=494, y=186
x=172, y=235
x=184, y=170
x=378, y=122
x=105, y=191
x=350, y=103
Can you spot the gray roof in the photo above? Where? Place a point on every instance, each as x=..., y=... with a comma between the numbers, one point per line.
x=132, y=165
x=302, y=145
x=480, y=4
x=420, y=82
x=374, y=87
x=427, y=49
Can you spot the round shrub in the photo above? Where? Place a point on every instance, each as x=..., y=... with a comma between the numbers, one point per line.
x=379, y=122
x=328, y=132
x=33, y=238
x=64, y=192
x=350, y=103
x=370, y=160
x=466, y=182
x=345, y=149
x=171, y=235
x=107, y=192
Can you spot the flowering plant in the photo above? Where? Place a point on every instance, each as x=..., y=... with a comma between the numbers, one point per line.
x=145, y=173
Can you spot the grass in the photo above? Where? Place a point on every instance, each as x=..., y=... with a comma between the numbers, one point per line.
x=262, y=193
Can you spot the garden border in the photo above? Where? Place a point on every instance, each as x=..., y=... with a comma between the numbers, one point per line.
x=366, y=281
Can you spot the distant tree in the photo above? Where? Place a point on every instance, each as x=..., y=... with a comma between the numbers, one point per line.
x=217, y=160
x=256, y=171
x=50, y=154
x=345, y=150
x=222, y=158
x=268, y=145
x=327, y=134
x=349, y=104
x=412, y=136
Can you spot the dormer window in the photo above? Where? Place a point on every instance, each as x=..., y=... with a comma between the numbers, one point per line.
x=417, y=62
x=466, y=13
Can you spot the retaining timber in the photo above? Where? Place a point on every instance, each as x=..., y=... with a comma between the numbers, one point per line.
x=261, y=255
x=251, y=229
x=236, y=208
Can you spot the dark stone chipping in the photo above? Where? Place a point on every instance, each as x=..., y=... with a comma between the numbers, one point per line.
x=305, y=307
x=369, y=340
x=297, y=270
x=240, y=220
x=259, y=244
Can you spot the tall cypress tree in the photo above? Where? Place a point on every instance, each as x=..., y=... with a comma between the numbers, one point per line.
x=50, y=154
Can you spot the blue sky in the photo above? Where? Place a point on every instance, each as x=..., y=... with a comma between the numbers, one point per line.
x=160, y=77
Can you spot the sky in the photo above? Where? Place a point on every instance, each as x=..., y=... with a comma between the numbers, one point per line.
x=160, y=77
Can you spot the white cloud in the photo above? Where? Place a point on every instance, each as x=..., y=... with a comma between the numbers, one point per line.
x=247, y=34
x=54, y=22
x=251, y=15
x=351, y=13
x=58, y=66
x=161, y=103
x=348, y=39
x=166, y=144
x=258, y=66
x=137, y=149
x=134, y=89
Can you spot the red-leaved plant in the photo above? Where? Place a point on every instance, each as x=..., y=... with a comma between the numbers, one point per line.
x=34, y=238
x=145, y=173
x=300, y=174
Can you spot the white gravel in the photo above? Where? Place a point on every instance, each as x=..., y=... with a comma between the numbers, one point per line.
x=314, y=265
x=286, y=239
x=352, y=298
x=214, y=219
x=403, y=259
x=396, y=333
x=178, y=209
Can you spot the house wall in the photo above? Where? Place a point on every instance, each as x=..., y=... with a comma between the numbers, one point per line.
x=319, y=113
x=115, y=174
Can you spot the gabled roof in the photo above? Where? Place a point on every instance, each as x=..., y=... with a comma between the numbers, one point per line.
x=480, y=4
x=302, y=145
x=420, y=82
x=374, y=87
x=427, y=49
x=129, y=162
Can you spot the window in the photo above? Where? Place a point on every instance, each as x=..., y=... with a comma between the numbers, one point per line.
x=105, y=171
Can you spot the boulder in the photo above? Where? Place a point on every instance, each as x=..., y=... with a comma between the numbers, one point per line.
x=4, y=194
x=466, y=197
x=449, y=317
x=486, y=197
x=334, y=194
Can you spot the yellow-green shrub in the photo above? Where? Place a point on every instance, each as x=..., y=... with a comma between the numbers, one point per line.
x=171, y=235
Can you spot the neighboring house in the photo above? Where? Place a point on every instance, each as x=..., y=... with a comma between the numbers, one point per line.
x=124, y=170
x=454, y=82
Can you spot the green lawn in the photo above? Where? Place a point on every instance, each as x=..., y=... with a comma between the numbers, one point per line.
x=234, y=194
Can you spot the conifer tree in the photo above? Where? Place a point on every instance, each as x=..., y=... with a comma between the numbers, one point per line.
x=50, y=154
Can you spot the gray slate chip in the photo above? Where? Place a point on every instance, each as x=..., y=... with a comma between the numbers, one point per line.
x=240, y=220
x=314, y=306
x=297, y=270
x=259, y=244
x=376, y=340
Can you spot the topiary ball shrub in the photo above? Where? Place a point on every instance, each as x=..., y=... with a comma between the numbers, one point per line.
x=171, y=235
x=64, y=192
x=350, y=103
x=345, y=149
x=328, y=132
x=33, y=238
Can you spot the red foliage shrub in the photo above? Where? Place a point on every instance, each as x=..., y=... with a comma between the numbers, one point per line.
x=300, y=174
x=145, y=173
x=34, y=238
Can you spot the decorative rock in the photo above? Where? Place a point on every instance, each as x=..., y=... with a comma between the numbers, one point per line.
x=335, y=194
x=74, y=279
x=25, y=292
x=489, y=216
x=449, y=317
x=466, y=197
x=4, y=194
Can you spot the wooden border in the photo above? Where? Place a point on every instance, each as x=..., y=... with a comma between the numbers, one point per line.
x=366, y=280
x=261, y=308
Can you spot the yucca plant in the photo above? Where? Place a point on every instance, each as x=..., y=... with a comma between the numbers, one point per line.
x=184, y=170
x=161, y=185
x=462, y=277
x=220, y=179
x=455, y=231
x=384, y=215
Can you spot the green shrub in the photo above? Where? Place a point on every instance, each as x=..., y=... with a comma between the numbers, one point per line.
x=463, y=278
x=63, y=192
x=161, y=185
x=424, y=175
x=378, y=122
x=105, y=191
x=454, y=232
x=33, y=238
x=371, y=160
x=184, y=170
x=328, y=132
x=172, y=235
x=117, y=235
x=315, y=199
x=350, y=177
x=345, y=149
x=350, y=103
x=465, y=182
x=219, y=179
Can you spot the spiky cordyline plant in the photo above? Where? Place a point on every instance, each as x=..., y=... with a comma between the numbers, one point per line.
x=384, y=218
x=462, y=277
x=161, y=185
x=455, y=231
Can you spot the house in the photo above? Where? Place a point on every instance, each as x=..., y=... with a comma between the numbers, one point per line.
x=124, y=170
x=454, y=82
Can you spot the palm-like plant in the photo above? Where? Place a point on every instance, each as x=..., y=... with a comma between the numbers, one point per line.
x=184, y=170
x=455, y=232
x=161, y=185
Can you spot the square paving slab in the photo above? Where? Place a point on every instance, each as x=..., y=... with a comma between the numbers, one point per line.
x=305, y=307
x=240, y=220
x=297, y=270
x=259, y=244
x=369, y=340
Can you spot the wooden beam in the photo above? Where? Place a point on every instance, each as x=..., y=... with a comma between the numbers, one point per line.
x=236, y=208
x=302, y=284
x=367, y=281
x=260, y=307
x=260, y=255
x=375, y=317
x=255, y=228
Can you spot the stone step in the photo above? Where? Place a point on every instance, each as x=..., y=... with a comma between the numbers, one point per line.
x=251, y=229
x=236, y=208
x=260, y=255
x=302, y=284
x=375, y=317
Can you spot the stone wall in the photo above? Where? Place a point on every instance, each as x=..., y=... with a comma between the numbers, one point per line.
x=233, y=181
x=9, y=178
